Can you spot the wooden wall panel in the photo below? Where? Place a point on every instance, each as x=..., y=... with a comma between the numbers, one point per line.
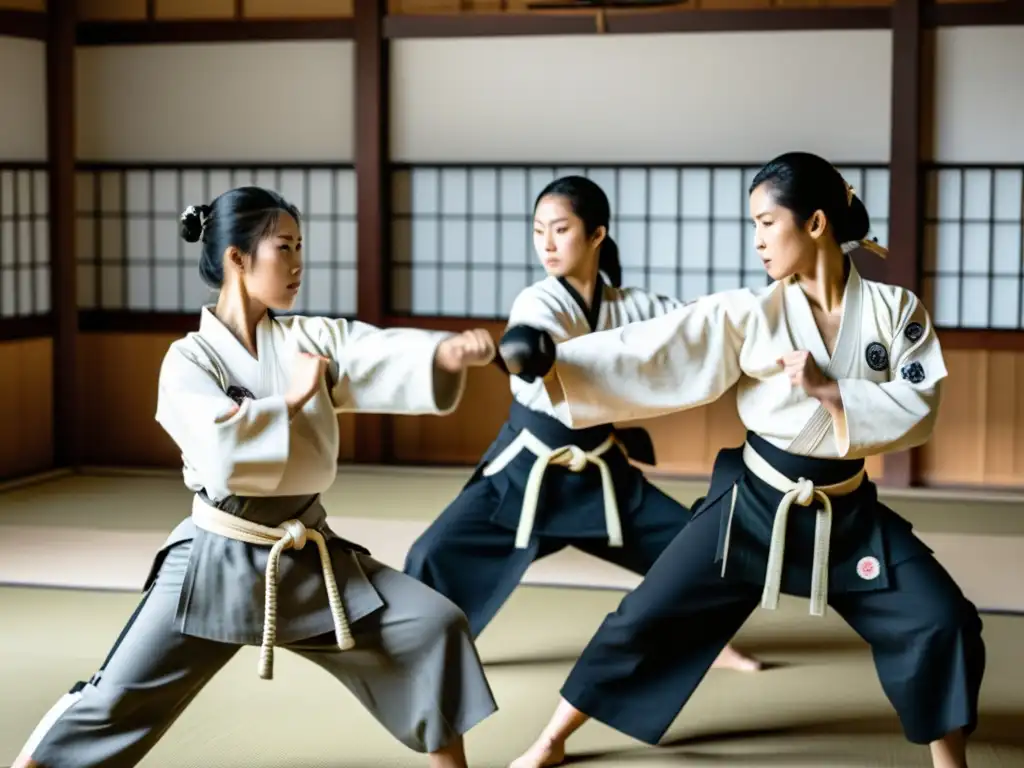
x=979, y=438
x=520, y=6
x=195, y=9
x=111, y=10
x=294, y=9
x=462, y=437
x=23, y=5
x=118, y=374
x=685, y=443
x=26, y=407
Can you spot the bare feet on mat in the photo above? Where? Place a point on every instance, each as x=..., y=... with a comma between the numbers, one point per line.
x=545, y=752
x=730, y=658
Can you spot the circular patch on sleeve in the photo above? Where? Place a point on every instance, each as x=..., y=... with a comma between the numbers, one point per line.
x=238, y=394
x=913, y=372
x=914, y=331
x=877, y=356
x=868, y=568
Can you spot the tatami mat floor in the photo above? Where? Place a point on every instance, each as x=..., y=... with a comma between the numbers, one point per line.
x=820, y=706
x=100, y=531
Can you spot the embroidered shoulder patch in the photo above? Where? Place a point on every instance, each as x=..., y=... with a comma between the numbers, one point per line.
x=913, y=331
x=238, y=394
x=913, y=372
x=877, y=357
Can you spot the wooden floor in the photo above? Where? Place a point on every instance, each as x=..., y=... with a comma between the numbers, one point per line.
x=72, y=551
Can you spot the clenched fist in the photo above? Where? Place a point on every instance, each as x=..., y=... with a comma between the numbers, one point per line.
x=307, y=373
x=470, y=348
x=803, y=372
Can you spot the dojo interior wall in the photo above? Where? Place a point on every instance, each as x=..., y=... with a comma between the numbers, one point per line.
x=977, y=117
x=236, y=105
x=446, y=107
x=26, y=370
x=727, y=98
x=699, y=99
x=618, y=100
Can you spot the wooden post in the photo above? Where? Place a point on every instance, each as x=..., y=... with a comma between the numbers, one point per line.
x=373, y=197
x=906, y=183
x=60, y=122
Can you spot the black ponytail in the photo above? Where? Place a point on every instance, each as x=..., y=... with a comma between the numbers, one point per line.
x=608, y=262
x=856, y=224
x=590, y=203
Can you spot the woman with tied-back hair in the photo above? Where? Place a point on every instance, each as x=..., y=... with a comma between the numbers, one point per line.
x=541, y=486
x=251, y=400
x=829, y=369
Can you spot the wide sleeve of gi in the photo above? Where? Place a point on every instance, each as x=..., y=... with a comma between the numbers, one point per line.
x=376, y=370
x=240, y=447
x=899, y=413
x=648, y=305
x=685, y=358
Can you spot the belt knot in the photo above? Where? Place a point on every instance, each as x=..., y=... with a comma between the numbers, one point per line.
x=573, y=457
x=804, y=492
x=295, y=534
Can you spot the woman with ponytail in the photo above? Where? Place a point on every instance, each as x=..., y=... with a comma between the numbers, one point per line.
x=828, y=368
x=541, y=486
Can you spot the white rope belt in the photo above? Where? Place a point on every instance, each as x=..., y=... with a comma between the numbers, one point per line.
x=291, y=534
x=575, y=459
x=802, y=492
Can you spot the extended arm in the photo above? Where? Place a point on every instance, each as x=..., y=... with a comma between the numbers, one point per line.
x=682, y=359
x=395, y=370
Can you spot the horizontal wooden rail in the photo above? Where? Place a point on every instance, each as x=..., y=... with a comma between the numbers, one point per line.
x=37, y=326
x=993, y=14
x=32, y=24
x=619, y=21
x=27, y=24
x=96, y=33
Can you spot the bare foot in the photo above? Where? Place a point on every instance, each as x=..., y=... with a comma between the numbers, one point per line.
x=452, y=755
x=730, y=658
x=545, y=752
x=950, y=751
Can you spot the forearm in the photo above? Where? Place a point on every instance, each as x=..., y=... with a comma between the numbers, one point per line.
x=829, y=396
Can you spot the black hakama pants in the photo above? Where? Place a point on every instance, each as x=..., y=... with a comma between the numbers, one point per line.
x=469, y=555
x=648, y=657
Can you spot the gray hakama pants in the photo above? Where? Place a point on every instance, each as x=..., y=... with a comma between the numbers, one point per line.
x=414, y=667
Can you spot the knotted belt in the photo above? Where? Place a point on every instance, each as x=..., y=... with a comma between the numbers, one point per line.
x=291, y=534
x=575, y=459
x=804, y=493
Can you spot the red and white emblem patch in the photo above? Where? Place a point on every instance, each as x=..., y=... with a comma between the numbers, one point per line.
x=868, y=568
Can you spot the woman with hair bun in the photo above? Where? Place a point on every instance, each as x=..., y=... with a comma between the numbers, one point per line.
x=541, y=486
x=829, y=369
x=251, y=399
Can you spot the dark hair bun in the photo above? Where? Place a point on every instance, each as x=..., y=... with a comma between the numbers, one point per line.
x=857, y=223
x=191, y=228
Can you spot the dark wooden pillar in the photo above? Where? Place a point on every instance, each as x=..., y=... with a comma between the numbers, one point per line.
x=373, y=196
x=911, y=91
x=60, y=122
